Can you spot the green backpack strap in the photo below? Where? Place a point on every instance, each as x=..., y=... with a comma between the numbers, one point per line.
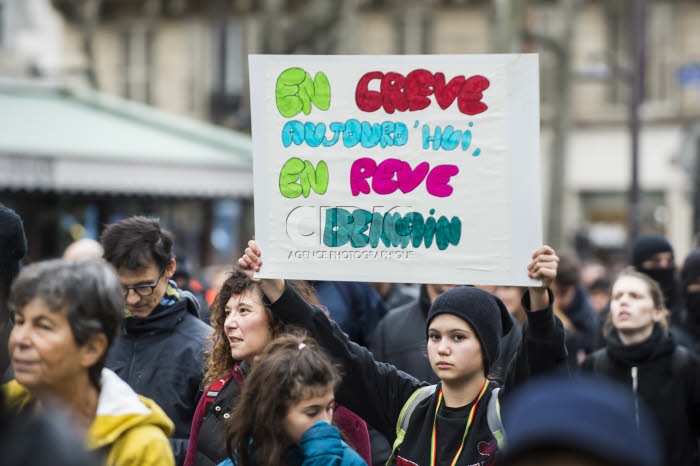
x=405, y=415
x=493, y=417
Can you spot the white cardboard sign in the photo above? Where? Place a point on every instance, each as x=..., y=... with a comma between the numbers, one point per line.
x=414, y=169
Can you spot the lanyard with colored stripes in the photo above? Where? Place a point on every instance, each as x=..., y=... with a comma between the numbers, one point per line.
x=470, y=418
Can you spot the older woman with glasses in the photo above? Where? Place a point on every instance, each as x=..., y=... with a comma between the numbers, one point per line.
x=66, y=315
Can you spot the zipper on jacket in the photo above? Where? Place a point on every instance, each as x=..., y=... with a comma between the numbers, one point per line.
x=131, y=363
x=635, y=382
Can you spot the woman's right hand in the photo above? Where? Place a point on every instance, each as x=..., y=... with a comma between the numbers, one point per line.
x=250, y=262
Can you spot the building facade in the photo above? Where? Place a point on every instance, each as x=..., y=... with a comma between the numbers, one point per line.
x=190, y=57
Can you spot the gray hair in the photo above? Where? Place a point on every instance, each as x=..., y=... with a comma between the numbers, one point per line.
x=88, y=292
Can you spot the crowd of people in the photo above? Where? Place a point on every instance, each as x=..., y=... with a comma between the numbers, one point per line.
x=115, y=355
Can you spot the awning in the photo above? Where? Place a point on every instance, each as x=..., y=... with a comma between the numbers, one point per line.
x=61, y=139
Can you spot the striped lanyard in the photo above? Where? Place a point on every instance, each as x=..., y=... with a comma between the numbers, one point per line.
x=470, y=418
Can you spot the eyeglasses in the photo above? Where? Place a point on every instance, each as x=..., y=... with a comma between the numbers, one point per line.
x=143, y=290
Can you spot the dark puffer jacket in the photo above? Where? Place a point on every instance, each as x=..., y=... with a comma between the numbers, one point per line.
x=665, y=376
x=160, y=357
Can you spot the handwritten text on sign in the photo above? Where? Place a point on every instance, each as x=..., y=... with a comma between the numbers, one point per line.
x=370, y=152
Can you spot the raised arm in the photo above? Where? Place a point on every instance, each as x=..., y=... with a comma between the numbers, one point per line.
x=373, y=390
x=542, y=348
x=543, y=267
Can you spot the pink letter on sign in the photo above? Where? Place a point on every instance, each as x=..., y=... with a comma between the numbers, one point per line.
x=438, y=179
x=361, y=169
x=383, y=181
x=410, y=179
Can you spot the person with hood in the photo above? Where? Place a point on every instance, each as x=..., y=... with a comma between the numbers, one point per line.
x=452, y=422
x=66, y=315
x=13, y=247
x=641, y=354
x=690, y=279
x=159, y=353
x=652, y=254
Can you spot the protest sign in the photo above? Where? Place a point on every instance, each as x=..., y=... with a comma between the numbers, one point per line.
x=417, y=169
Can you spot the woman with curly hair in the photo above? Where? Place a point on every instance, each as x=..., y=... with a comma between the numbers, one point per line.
x=243, y=326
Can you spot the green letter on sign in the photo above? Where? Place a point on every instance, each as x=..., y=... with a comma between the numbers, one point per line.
x=295, y=91
x=296, y=169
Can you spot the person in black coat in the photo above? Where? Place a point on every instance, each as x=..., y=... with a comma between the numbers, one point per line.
x=641, y=354
x=690, y=279
x=463, y=329
x=160, y=352
x=399, y=339
x=574, y=309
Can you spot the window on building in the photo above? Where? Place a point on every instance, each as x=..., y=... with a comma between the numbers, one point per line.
x=414, y=30
x=659, y=49
x=137, y=43
x=3, y=24
x=605, y=215
x=199, y=69
x=229, y=67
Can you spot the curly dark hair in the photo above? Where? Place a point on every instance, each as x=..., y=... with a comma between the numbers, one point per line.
x=219, y=361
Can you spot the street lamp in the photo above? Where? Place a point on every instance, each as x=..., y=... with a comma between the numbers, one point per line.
x=636, y=97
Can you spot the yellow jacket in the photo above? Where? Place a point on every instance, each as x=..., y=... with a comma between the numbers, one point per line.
x=131, y=429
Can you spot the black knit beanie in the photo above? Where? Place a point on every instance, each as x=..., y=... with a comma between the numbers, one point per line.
x=13, y=244
x=691, y=268
x=646, y=246
x=484, y=313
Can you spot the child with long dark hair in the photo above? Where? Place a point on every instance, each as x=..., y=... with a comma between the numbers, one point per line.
x=284, y=412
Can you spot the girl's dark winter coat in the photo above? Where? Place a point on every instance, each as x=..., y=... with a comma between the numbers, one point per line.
x=666, y=377
x=377, y=391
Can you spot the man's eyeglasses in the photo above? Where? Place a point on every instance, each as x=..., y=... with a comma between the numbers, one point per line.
x=142, y=290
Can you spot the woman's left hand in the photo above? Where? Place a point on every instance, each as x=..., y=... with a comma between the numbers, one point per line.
x=544, y=265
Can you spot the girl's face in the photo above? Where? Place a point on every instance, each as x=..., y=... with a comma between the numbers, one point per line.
x=304, y=413
x=454, y=349
x=632, y=307
x=43, y=351
x=247, y=325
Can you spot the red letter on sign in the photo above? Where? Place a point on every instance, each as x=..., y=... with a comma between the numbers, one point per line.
x=366, y=100
x=445, y=95
x=392, y=86
x=470, y=96
x=418, y=86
